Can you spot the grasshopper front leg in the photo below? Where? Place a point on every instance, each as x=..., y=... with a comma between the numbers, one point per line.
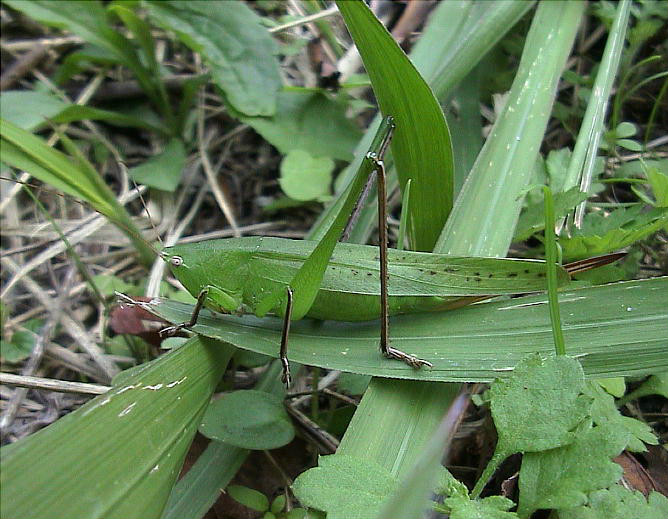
x=201, y=298
x=385, y=348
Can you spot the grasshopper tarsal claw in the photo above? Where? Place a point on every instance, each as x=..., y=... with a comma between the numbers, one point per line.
x=170, y=330
x=411, y=360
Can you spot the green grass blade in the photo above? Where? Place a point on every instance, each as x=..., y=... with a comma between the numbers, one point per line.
x=551, y=259
x=23, y=150
x=456, y=38
x=129, y=443
x=421, y=145
x=199, y=489
x=581, y=167
x=615, y=330
x=485, y=213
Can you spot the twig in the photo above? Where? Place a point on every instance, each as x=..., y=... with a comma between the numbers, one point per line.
x=50, y=384
x=36, y=355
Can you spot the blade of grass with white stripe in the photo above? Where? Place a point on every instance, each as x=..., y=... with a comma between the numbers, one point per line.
x=617, y=329
x=129, y=442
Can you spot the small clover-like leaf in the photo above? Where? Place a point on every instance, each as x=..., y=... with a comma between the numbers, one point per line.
x=493, y=507
x=619, y=502
x=248, y=497
x=540, y=405
x=162, y=171
x=616, y=386
x=346, y=487
x=604, y=410
x=304, y=177
x=562, y=477
x=248, y=419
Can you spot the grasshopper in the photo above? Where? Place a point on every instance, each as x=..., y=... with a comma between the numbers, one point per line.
x=262, y=275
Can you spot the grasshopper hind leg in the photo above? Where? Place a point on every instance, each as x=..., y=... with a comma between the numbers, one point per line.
x=385, y=347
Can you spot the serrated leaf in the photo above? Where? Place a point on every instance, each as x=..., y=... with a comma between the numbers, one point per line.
x=532, y=219
x=345, y=487
x=562, y=477
x=248, y=419
x=233, y=42
x=604, y=411
x=304, y=177
x=298, y=125
x=547, y=390
x=162, y=171
x=248, y=497
x=622, y=227
x=493, y=507
x=619, y=502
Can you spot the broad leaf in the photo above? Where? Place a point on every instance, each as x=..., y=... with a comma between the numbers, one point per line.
x=248, y=419
x=239, y=51
x=162, y=171
x=27, y=109
x=562, y=477
x=345, y=487
x=305, y=177
x=298, y=125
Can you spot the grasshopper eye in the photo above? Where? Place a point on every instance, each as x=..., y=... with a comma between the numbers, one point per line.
x=177, y=261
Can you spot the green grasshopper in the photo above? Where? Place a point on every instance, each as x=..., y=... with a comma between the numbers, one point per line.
x=263, y=275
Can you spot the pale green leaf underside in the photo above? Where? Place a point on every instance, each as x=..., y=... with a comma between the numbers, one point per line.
x=614, y=330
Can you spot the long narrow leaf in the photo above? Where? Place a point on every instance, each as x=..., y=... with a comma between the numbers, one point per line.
x=127, y=445
x=616, y=330
x=421, y=145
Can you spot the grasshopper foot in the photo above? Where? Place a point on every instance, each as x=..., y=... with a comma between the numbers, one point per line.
x=172, y=330
x=411, y=360
x=286, y=378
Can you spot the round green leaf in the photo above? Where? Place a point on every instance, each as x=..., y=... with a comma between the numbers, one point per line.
x=625, y=129
x=249, y=497
x=248, y=419
x=278, y=504
x=304, y=177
